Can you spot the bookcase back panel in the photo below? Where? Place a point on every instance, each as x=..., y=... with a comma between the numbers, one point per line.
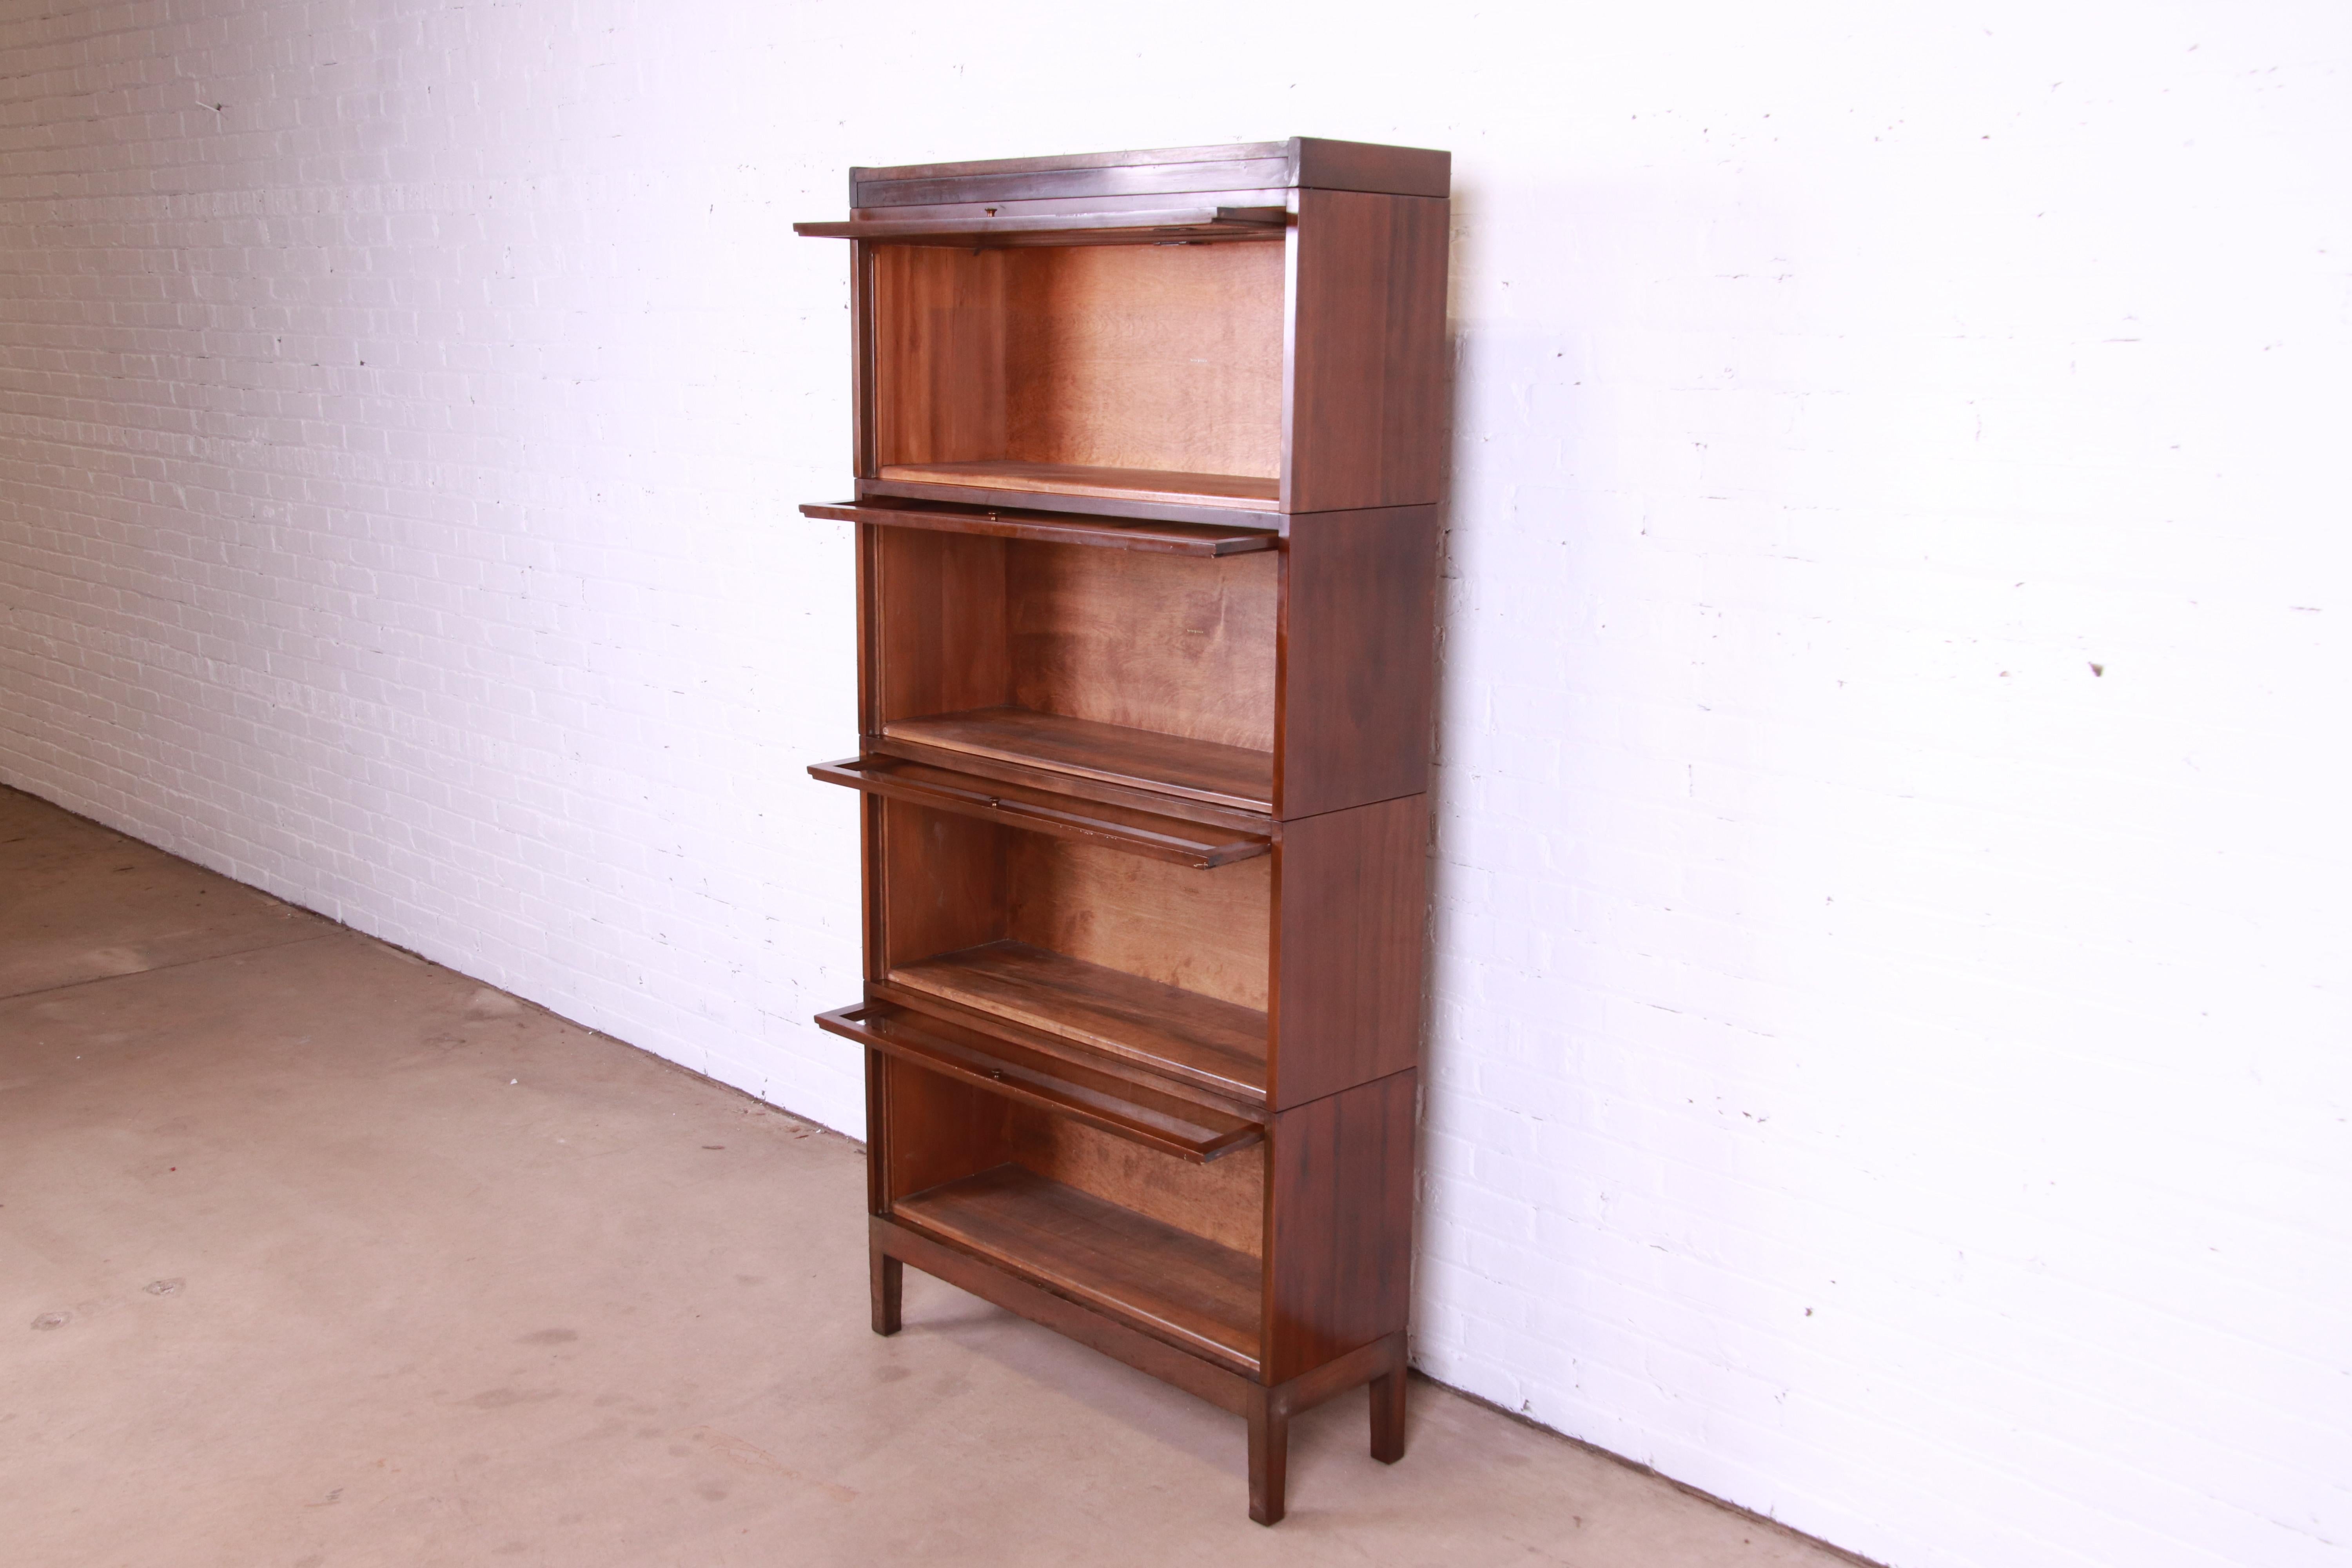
x=1222, y=1201
x=1204, y=931
x=1132, y=356
x=1181, y=645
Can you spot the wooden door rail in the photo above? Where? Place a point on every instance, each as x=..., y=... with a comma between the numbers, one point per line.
x=1141, y=833
x=1050, y=528
x=1184, y=1128
x=1162, y=225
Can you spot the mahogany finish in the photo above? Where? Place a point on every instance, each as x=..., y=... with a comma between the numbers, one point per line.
x=1148, y=453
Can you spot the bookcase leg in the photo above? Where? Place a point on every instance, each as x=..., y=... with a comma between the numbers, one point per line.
x=889, y=1283
x=1269, y=1454
x=1388, y=1414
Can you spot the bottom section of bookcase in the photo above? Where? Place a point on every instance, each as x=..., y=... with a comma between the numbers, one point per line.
x=1010, y=1206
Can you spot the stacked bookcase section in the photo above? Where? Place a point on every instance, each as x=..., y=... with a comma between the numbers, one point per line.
x=1148, y=451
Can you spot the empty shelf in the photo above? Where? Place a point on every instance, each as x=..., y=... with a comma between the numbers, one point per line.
x=1192, y=1293
x=1237, y=492
x=1219, y=1044
x=1138, y=759
x=1156, y=1120
x=1052, y=527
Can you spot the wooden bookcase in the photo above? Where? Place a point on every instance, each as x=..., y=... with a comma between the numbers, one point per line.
x=1148, y=451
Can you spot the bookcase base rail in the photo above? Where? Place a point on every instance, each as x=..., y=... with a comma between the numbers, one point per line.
x=1267, y=1409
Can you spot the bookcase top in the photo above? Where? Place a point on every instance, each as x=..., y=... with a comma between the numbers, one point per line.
x=1302, y=162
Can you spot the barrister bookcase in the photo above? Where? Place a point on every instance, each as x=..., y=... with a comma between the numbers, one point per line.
x=1148, y=448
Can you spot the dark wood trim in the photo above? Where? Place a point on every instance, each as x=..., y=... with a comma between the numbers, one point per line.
x=1154, y=836
x=1366, y=377
x=1043, y=500
x=1182, y=1126
x=1128, y=226
x=1339, y=1225
x=1240, y=537
x=1356, y=658
x=1350, y=925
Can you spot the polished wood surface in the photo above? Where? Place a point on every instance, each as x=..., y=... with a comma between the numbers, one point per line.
x=1215, y=514
x=1368, y=353
x=1239, y=538
x=1158, y=643
x=1136, y=759
x=1206, y=933
x=1185, y=1128
x=1191, y=1292
x=1358, y=666
x=932, y=624
x=1351, y=923
x=1149, y=834
x=1338, y=1208
x=938, y=878
x=1236, y=493
x=1177, y=1032
x=1147, y=538
x=1221, y=1200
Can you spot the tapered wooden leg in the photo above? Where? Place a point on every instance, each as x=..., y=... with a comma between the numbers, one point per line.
x=1388, y=1414
x=1269, y=1454
x=889, y=1283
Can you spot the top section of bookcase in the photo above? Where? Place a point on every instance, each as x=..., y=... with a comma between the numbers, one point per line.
x=1246, y=191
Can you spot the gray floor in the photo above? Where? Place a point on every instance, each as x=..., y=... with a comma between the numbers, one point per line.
x=314, y=1254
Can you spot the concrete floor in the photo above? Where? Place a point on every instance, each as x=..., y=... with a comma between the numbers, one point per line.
x=311, y=1254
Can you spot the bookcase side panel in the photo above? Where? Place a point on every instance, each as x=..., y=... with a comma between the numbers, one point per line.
x=1366, y=425
x=934, y=624
x=1351, y=922
x=1338, y=1236
x=1358, y=660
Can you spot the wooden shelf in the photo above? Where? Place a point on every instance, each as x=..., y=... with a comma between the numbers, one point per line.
x=1048, y=528
x=1038, y=811
x=1128, y=226
x=1193, y=1293
x=1136, y=759
x=1237, y=492
x=1184, y=1034
x=1184, y=1128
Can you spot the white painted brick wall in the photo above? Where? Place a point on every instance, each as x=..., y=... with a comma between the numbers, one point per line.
x=1884, y=1072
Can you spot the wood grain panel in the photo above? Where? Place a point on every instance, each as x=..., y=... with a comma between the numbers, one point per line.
x=1223, y=1201
x=935, y=624
x=1351, y=923
x=1149, y=642
x=942, y=882
x=939, y=1130
x=1359, y=659
x=1339, y=1180
x=1208, y=933
x=1146, y=356
x=938, y=355
x=1366, y=422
